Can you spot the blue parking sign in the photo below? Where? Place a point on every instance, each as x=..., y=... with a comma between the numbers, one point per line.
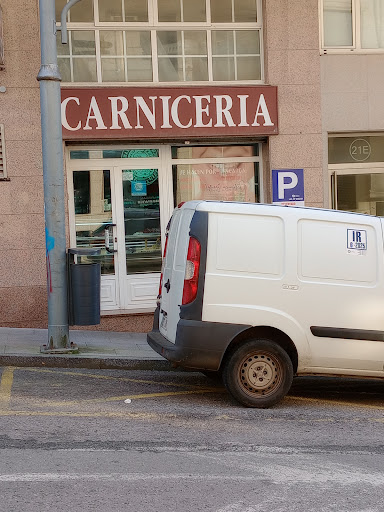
x=288, y=187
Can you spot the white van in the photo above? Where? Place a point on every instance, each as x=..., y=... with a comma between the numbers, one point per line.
x=261, y=293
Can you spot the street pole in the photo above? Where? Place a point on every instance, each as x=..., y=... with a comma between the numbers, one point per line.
x=53, y=174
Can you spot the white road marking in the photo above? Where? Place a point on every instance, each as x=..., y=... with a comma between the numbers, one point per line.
x=130, y=477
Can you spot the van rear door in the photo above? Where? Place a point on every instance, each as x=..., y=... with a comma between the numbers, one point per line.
x=174, y=271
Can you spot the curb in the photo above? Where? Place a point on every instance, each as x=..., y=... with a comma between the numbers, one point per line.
x=100, y=363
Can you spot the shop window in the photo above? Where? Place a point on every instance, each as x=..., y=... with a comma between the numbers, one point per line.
x=182, y=56
x=125, y=56
x=126, y=10
x=82, y=12
x=356, y=167
x=167, y=41
x=86, y=154
x=93, y=211
x=355, y=150
x=227, y=11
x=235, y=55
x=353, y=24
x=227, y=173
x=77, y=59
x=82, y=192
x=186, y=11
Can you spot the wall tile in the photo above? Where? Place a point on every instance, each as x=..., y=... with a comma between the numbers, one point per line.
x=24, y=158
x=20, y=113
x=291, y=67
x=21, y=69
x=314, y=186
x=345, y=111
x=22, y=195
x=23, y=305
x=292, y=24
x=20, y=231
x=20, y=267
x=20, y=19
x=343, y=73
x=299, y=109
x=295, y=151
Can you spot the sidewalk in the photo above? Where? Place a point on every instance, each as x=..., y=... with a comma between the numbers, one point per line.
x=97, y=349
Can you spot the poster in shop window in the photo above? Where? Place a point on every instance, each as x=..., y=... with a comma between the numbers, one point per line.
x=227, y=181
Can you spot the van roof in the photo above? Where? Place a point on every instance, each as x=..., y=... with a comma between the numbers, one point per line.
x=241, y=207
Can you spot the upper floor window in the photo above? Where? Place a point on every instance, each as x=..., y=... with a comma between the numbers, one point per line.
x=162, y=41
x=353, y=24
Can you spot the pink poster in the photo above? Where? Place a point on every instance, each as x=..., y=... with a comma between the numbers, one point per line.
x=227, y=181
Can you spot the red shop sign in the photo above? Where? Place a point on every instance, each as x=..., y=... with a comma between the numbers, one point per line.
x=168, y=112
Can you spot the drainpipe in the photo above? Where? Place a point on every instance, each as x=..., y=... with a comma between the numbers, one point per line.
x=53, y=175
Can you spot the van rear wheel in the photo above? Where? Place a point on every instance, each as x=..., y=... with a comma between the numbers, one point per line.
x=259, y=373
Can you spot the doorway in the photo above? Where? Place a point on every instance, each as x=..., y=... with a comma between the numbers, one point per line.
x=358, y=190
x=116, y=209
x=120, y=201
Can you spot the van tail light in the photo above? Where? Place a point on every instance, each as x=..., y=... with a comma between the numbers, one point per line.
x=191, y=271
x=162, y=266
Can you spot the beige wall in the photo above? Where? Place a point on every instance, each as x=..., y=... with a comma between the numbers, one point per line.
x=352, y=97
x=352, y=91
x=22, y=248
x=293, y=64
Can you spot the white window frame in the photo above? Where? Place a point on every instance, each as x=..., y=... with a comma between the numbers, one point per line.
x=153, y=25
x=356, y=34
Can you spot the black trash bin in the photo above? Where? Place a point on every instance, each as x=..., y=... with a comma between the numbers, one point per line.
x=83, y=287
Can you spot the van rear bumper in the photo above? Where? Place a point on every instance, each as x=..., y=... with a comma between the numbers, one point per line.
x=199, y=345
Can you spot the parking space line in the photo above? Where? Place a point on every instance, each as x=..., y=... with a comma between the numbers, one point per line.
x=6, y=387
x=153, y=395
x=334, y=402
x=67, y=403
x=110, y=414
x=108, y=377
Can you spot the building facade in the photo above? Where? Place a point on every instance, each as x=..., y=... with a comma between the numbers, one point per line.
x=169, y=100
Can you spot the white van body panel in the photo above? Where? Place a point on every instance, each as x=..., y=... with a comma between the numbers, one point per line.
x=315, y=275
x=262, y=316
x=294, y=273
x=174, y=269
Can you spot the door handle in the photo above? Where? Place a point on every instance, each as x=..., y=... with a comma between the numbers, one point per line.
x=167, y=286
x=106, y=238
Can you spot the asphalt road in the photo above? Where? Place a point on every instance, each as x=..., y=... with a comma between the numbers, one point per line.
x=94, y=440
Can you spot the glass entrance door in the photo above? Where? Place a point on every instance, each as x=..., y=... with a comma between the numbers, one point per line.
x=117, y=210
x=141, y=221
x=138, y=235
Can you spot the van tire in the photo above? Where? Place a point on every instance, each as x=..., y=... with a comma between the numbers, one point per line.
x=258, y=373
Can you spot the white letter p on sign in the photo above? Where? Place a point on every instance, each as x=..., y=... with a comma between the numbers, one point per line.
x=282, y=185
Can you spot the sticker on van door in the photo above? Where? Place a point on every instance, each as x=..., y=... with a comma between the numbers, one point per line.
x=356, y=241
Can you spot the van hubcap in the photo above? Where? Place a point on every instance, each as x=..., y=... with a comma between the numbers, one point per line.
x=260, y=374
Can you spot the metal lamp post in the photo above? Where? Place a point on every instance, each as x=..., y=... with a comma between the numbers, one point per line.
x=53, y=174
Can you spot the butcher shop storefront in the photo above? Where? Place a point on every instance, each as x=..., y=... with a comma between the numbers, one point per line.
x=133, y=154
